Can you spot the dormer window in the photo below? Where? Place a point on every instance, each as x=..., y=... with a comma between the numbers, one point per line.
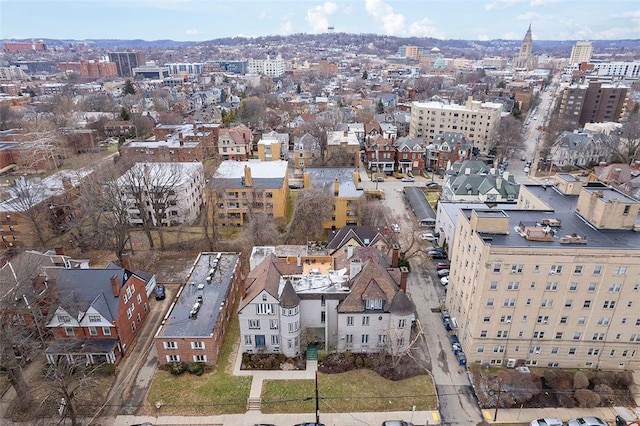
x=373, y=304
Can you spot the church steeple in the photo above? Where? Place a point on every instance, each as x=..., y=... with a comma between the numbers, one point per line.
x=523, y=60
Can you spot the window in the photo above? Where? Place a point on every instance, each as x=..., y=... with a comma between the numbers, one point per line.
x=604, y=320
x=382, y=339
x=402, y=323
x=559, y=335
x=197, y=345
x=577, y=335
x=543, y=319
x=598, y=336
x=200, y=358
x=568, y=303
x=349, y=320
x=486, y=318
x=577, y=270
x=534, y=350
x=509, y=302
x=586, y=304
x=94, y=318
x=551, y=286
x=171, y=345
x=615, y=288
x=609, y=304
x=106, y=331
x=273, y=324
x=133, y=326
x=349, y=339
x=480, y=349
x=513, y=285
x=498, y=349
x=496, y=268
x=564, y=320
x=264, y=309
x=365, y=320
x=294, y=326
x=493, y=285
x=634, y=338
x=573, y=286
x=555, y=269
x=538, y=334
x=554, y=350
x=93, y=331
x=505, y=319
x=620, y=270
x=173, y=358
x=597, y=270
x=517, y=269
x=275, y=340
x=373, y=304
x=254, y=324
x=483, y=333
x=64, y=318
x=547, y=303
x=490, y=301
x=593, y=351
x=572, y=351
x=365, y=339
x=69, y=331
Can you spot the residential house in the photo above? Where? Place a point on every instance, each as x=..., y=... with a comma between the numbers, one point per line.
x=306, y=151
x=348, y=237
x=239, y=189
x=98, y=316
x=484, y=188
x=343, y=148
x=447, y=149
x=380, y=154
x=552, y=282
x=166, y=193
x=273, y=146
x=583, y=149
x=235, y=143
x=344, y=184
x=618, y=175
x=193, y=329
x=410, y=153
x=356, y=303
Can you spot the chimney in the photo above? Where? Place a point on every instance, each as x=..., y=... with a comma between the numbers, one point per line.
x=355, y=266
x=336, y=187
x=499, y=182
x=126, y=261
x=395, y=255
x=299, y=261
x=346, y=133
x=115, y=285
x=247, y=176
x=349, y=252
x=404, y=273
x=59, y=250
x=356, y=179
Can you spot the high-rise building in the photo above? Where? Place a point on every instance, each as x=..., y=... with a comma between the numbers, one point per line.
x=551, y=284
x=126, y=62
x=595, y=102
x=581, y=52
x=269, y=67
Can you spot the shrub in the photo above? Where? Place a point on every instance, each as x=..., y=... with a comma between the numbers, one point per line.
x=177, y=368
x=368, y=363
x=321, y=356
x=623, y=379
x=587, y=398
x=359, y=362
x=282, y=358
x=196, y=368
x=266, y=365
x=605, y=391
x=580, y=380
x=245, y=358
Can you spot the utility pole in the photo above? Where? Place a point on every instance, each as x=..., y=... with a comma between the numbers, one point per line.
x=317, y=402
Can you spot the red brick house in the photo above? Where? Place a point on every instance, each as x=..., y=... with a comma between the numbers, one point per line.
x=380, y=154
x=98, y=316
x=235, y=143
x=410, y=154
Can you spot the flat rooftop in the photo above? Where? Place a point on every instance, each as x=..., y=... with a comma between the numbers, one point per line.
x=179, y=322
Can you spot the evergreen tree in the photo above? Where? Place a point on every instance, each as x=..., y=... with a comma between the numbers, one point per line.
x=128, y=88
x=380, y=107
x=365, y=75
x=125, y=115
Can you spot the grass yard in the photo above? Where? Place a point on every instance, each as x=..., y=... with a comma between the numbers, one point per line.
x=215, y=392
x=353, y=391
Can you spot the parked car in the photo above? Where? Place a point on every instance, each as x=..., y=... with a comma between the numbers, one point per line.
x=444, y=280
x=433, y=185
x=395, y=227
x=437, y=255
x=587, y=421
x=159, y=292
x=396, y=423
x=407, y=179
x=428, y=236
x=527, y=169
x=310, y=424
x=442, y=265
x=547, y=421
x=443, y=273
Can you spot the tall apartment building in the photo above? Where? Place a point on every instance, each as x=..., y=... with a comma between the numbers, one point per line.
x=24, y=46
x=554, y=284
x=185, y=68
x=126, y=62
x=411, y=51
x=581, y=52
x=269, y=67
x=594, y=102
x=476, y=120
x=90, y=69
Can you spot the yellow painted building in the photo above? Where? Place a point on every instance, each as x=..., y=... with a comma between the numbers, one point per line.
x=240, y=188
x=344, y=182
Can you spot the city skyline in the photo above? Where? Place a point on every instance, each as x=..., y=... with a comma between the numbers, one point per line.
x=200, y=20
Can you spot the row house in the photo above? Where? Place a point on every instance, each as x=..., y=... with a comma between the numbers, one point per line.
x=357, y=302
x=447, y=149
x=410, y=153
x=380, y=154
x=98, y=316
x=193, y=329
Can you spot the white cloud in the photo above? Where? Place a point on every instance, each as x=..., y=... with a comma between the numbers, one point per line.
x=286, y=28
x=536, y=3
x=500, y=4
x=192, y=31
x=483, y=37
x=318, y=17
x=392, y=23
x=512, y=36
x=529, y=16
x=425, y=28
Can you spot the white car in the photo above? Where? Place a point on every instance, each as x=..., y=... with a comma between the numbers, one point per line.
x=407, y=179
x=587, y=421
x=444, y=280
x=428, y=236
x=547, y=421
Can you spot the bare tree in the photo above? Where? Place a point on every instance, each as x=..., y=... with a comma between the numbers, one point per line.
x=8, y=117
x=508, y=136
x=371, y=212
x=628, y=149
x=312, y=207
x=27, y=200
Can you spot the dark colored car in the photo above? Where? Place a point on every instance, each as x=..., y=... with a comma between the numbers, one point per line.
x=310, y=424
x=443, y=273
x=396, y=423
x=437, y=255
x=159, y=292
x=442, y=265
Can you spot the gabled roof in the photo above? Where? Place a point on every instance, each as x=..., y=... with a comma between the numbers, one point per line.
x=474, y=166
x=364, y=235
x=266, y=277
x=408, y=143
x=483, y=184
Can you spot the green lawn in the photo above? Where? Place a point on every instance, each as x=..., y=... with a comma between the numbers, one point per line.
x=353, y=391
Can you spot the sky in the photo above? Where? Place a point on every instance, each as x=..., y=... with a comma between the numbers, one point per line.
x=199, y=20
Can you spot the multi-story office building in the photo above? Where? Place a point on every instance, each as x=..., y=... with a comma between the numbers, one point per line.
x=269, y=67
x=126, y=62
x=594, y=102
x=581, y=52
x=475, y=120
x=181, y=69
x=554, y=284
x=90, y=69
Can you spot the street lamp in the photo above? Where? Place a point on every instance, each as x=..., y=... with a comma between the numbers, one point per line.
x=317, y=398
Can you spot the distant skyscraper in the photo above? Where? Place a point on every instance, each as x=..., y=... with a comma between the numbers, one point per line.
x=126, y=62
x=581, y=52
x=524, y=58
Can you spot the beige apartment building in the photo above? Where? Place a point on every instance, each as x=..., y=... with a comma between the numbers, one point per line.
x=476, y=120
x=555, y=284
